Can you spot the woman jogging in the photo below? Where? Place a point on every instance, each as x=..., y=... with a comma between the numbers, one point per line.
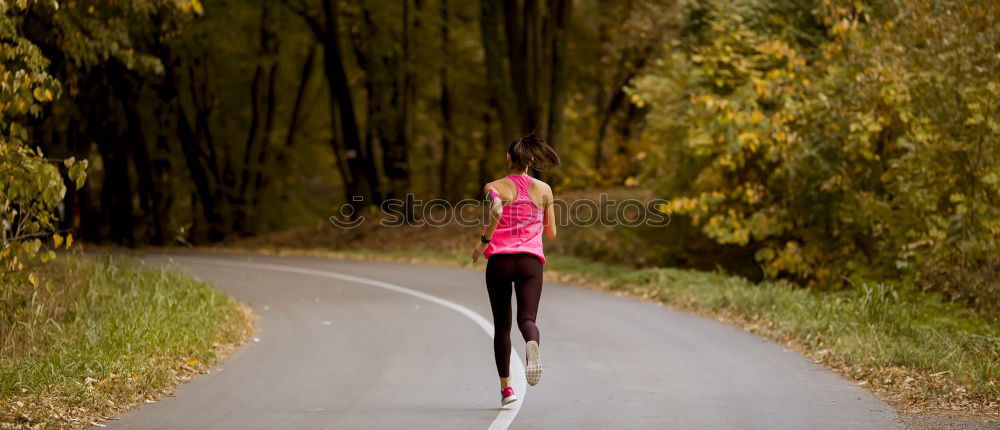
x=520, y=209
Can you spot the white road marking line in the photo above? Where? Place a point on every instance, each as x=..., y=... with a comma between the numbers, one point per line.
x=503, y=419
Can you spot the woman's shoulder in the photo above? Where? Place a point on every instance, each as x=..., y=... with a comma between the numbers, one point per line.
x=541, y=192
x=506, y=182
x=503, y=186
x=501, y=182
x=542, y=185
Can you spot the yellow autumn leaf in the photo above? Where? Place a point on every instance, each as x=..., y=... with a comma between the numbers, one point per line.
x=975, y=119
x=69, y=240
x=195, y=5
x=31, y=279
x=747, y=137
x=192, y=361
x=57, y=240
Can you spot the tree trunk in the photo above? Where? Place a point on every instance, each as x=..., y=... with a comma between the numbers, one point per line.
x=517, y=26
x=200, y=162
x=615, y=104
x=150, y=175
x=300, y=95
x=396, y=148
x=262, y=106
x=485, y=175
x=496, y=75
x=536, y=44
x=116, y=190
x=445, y=188
x=361, y=179
x=374, y=70
x=561, y=11
x=265, y=151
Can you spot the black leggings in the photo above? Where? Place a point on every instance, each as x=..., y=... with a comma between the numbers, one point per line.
x=524, y=271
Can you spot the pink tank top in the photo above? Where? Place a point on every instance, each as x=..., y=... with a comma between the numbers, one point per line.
x=520, y=228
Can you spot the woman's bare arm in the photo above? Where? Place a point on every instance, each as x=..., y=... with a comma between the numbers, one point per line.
x=491, y=221
x=550, y=215
x=495, y=212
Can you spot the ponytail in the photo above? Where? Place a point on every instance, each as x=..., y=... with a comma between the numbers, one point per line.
x=531, y=151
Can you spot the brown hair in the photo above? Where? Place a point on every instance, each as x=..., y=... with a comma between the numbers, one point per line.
x=531, y=151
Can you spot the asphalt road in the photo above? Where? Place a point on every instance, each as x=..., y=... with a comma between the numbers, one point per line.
x=348, y=344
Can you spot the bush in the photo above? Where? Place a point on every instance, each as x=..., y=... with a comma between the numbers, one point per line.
x=834, y=140
x=31, y=186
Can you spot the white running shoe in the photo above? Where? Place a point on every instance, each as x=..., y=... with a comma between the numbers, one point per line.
x=534, y=370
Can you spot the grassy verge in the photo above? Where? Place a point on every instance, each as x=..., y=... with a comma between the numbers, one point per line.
x=919, y=353
x=99, y=335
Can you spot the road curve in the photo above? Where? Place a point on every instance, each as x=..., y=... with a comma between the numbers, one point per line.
x=349, y=344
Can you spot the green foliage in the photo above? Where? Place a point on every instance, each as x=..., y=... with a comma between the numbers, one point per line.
x=852, y=140
x=31, y=186
x=80, y=36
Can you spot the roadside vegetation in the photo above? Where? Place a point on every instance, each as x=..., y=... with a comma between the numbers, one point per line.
x=824, y=141
x=841, y=156
x=95, y=336
x=917, y=351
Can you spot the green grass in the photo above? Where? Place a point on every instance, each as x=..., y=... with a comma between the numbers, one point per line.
x=908, y=346
x=104, y=334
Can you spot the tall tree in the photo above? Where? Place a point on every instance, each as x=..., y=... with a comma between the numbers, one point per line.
x=447, y=127
x=497, y=79
x=535, y=33
x=558, y=34
x=384, y=54
x=630, y=39
x=263, y=102
x=355, y=157
x=396, y=150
